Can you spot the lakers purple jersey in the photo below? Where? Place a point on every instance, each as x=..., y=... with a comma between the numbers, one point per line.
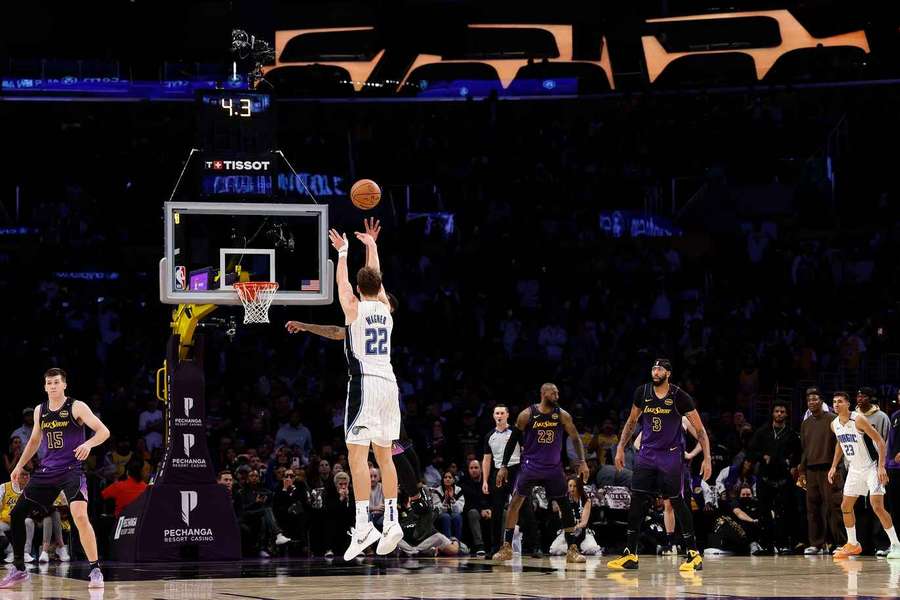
x=60, y=436
x=661, y=431
x=542, y=440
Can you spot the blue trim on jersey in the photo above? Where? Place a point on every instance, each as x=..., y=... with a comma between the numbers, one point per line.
x=354, y=384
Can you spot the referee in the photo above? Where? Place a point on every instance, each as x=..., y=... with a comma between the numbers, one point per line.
x=494, y=444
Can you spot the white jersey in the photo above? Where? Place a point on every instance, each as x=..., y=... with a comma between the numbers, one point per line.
x=859, y=449
x=368, y=341
x=372, y=413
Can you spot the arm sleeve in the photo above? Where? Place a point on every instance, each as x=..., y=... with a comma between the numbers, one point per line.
x=683, y=402
x=511, y=445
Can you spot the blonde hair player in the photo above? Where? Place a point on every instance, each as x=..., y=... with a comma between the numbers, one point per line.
x=857, y=440
x=372, y=415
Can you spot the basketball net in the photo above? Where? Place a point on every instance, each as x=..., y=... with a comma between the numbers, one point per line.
x=256, y=296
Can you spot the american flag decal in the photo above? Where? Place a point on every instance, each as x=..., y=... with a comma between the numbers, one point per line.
x=309, y=285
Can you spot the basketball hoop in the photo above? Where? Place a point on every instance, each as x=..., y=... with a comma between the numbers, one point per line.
x=256, y=296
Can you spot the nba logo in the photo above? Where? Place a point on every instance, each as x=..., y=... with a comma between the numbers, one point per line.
x=179, y=278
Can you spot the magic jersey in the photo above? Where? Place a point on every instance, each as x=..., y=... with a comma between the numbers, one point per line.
x=368, y=341
x=859, y=449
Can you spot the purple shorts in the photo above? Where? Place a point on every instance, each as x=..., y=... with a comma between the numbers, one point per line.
x=43, y=489
x=553, y=480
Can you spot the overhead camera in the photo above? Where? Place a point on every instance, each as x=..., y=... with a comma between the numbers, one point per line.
x=259, y=52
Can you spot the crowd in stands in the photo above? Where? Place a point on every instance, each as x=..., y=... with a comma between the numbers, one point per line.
x=526, y=288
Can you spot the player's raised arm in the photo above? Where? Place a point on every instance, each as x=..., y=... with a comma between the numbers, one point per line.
x=372, y=260
x=349, y=302
x=373, y=228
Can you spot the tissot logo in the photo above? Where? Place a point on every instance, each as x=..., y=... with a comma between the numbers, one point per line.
x=237, y=165
x=188, y=504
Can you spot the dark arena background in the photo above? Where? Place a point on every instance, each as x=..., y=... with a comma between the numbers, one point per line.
x=663, y=208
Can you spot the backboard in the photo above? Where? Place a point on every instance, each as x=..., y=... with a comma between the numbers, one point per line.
x=209, y=246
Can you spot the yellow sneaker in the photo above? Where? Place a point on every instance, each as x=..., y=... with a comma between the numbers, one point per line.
x=573, y=555
x=848, y=550
x=627, y=561
x=504, y=553
x=693, y=562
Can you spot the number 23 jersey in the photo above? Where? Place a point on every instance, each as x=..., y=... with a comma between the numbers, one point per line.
x=859, y=449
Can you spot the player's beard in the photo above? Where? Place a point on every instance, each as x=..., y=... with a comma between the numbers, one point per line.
x=659, y=381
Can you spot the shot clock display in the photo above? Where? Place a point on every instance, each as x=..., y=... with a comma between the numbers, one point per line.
x=235, y=121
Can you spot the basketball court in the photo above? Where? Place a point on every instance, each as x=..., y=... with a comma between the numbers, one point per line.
x=727, y=577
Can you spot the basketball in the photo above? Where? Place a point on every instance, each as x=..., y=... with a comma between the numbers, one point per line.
x=365, y=194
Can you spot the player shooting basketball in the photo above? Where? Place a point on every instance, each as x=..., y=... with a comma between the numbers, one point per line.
x=372, y=416
x=406, y=461
x=59, y=429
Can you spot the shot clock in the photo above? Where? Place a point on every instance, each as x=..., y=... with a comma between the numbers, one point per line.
x=236, y=138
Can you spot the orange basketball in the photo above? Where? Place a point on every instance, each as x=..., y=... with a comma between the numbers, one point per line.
x=365, y=194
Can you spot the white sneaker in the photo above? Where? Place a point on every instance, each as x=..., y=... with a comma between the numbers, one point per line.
x=360, y=540
x=390, y=537
x=9, y=557
x=29, y=558
x=44, y=557
x=96, y=580
x=62, y=553
x=264, y=554
x=813, y=550
x=280, y=540
x=894, y=552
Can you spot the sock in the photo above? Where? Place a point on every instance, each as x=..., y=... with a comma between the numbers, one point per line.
x=94, y=564
x=690, y=542
x=893, y=536
x=508, y=535
x=671, y=538
x=571, y=539
x=851, y=535
x=362, y=513
x=632, y=537
x=390, y=511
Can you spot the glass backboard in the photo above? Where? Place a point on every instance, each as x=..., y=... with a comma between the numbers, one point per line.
x=209, y=246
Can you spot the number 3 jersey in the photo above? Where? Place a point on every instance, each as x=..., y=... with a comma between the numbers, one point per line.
x=661, y=431
x=60, y=436
x=368, y=341
x=859, y=449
